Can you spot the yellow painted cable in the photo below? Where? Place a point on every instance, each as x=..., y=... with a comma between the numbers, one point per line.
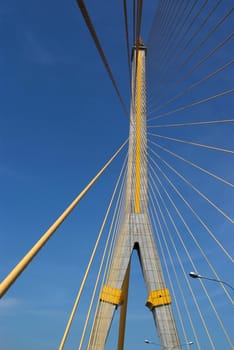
x=14, y=274
x=103, y=255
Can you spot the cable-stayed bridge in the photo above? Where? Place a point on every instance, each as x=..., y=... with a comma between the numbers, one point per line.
x=171, y=182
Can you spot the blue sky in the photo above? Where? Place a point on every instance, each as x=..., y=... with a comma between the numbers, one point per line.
x=60, y=122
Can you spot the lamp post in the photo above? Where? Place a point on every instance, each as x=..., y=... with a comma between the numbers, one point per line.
x=196, y=275
x=147, y=341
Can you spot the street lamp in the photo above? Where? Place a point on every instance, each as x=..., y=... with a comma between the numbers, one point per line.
x=196, y=275
x=147, y=341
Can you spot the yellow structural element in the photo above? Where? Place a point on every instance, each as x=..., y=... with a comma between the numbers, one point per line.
x=138, y=131
x=158, y=298
x=111, y=295
x=18, y=269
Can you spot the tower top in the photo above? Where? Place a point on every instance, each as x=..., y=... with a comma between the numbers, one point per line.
x=139, y=45
x=139, y=42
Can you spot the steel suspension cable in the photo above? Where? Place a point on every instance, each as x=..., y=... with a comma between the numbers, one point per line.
x=198, y=218
x=184, y=35
x=194, y=68
x=116, y=226
x=164, y=28
x=191, y=261
x=176, y=33
x=176, y=155
x=173, y=9
x=139, y=19
x=190, y=40
x=218, y=121
x=154, y=214
x=196, y=103
x=127, y=39
x=212, y=235
x=170, y=256
x=103, y=255
x=185, y=275
x=93, y=33
x=112, y=232
x=19, y=268
x=204, y=255
x=197, y=83
x=173, y=32
x=158, y=26
x=68, y=326
x=193, y=143
x=187, y=31
x=158, y=18
x=194, y=188
x=201, y=43
x=169, y=26
x=134, y=21
x=155, y=31
x=190, y=258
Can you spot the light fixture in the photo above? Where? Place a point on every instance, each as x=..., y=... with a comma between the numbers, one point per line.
x=197, y=275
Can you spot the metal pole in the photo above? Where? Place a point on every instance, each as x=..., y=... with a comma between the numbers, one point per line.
x=14, y=274
x=196, y=275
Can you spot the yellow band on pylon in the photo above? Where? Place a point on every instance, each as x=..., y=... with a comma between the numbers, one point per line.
x=158, y=298
x=111, y=295
x=138, y=133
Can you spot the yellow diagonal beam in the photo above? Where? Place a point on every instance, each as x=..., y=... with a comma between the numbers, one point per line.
x=123, y=311
x=14, y=274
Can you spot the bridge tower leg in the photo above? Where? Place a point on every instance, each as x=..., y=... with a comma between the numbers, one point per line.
x=136, y=233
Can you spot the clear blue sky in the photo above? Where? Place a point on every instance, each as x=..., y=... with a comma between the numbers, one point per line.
x=60, y=121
